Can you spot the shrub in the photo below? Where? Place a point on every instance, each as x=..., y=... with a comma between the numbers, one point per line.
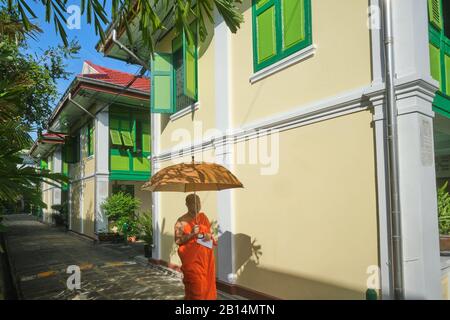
x=146, y=227
x=444, y=210
x=121, y=208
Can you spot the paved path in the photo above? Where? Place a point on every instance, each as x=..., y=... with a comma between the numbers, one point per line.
x=41, y=255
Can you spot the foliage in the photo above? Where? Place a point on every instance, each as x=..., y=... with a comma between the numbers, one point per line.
x=146, y=227
x=444, y=210
x=28, y=82
x=17, y=179
x=121, y=209
x=123, y=12
x=27, y=86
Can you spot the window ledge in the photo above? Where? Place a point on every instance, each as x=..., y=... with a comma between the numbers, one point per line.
x=189, y=109
x=284, y=63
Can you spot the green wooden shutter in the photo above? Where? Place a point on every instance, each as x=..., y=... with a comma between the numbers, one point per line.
x=435, y=13
x=435, y=63
x=125, y=132
x=114, y=132
x=190, y=67
x=91, y=138
x=146, y=138
x=265, y=37
x=162, y=83
x=44, y=165
x=127, y=138
x=115, y=137
x=293, y=22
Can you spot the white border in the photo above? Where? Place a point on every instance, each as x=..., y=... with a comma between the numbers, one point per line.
x=284, y=63
x=186, y=110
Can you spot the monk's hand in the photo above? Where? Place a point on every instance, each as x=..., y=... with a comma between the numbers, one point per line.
x=195, y=231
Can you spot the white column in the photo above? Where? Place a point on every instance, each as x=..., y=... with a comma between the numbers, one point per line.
x=415, y=92
x=155, y=126
x=101, y=169
x=57, y=168
x=225, y=209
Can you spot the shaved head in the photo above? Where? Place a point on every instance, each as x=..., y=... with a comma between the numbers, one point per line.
x=191, y=201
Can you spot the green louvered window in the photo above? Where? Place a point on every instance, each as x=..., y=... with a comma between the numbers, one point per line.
x=129, y=160
x=435, y=13
x=125, y=132
x=280, y=28
x=44, y=164
x=91, y=138
x=114, y=132
x=162, y=83
x=174, y=76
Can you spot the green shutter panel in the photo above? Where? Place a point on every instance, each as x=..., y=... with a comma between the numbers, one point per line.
x=435, y=63
x=115, y=137
x=44, y=165
x=127, y=138
x=162, y=83
x=293, y=22
x=190, y=67
x=125, y=132
x=265, y=38
x=146, y=141
x=91, y=139
x=435, y=13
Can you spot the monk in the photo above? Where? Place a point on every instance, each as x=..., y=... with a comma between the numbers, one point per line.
x=192, y=230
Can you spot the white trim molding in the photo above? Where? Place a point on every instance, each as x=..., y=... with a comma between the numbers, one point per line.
x=187, y=110
x=284, y=63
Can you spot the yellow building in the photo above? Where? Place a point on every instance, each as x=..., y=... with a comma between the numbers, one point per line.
x=103, y=123
x=294, y=104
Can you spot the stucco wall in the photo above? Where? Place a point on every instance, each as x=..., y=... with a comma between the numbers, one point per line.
x=313, y=224
x=341, y=63
x=75, y=197
x=88, y=207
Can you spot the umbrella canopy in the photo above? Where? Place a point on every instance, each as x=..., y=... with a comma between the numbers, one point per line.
x=191, y=177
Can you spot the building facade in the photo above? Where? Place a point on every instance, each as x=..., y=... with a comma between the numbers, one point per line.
x=103, y=146
x=294, y=104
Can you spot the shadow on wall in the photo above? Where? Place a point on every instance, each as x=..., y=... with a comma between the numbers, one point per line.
x=251, y=275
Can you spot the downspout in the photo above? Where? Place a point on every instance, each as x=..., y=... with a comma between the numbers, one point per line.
x=396, y=250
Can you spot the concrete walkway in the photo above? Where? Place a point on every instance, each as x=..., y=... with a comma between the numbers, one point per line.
x=40, y=256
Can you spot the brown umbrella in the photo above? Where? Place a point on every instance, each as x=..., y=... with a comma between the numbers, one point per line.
x=192, y=177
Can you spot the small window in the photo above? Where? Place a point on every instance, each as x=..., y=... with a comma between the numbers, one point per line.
x=174, y=76
x=280, y=28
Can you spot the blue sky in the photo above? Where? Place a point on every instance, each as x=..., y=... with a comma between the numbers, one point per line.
x=86, y=38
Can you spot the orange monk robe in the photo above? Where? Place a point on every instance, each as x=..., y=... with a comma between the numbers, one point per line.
x=197, y=264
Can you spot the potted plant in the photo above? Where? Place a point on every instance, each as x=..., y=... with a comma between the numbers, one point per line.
x=146, y=232
x=444, y=217
x=120, y=208
x=60, y=218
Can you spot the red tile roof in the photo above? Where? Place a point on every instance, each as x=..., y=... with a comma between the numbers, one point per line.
x=117, y=77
